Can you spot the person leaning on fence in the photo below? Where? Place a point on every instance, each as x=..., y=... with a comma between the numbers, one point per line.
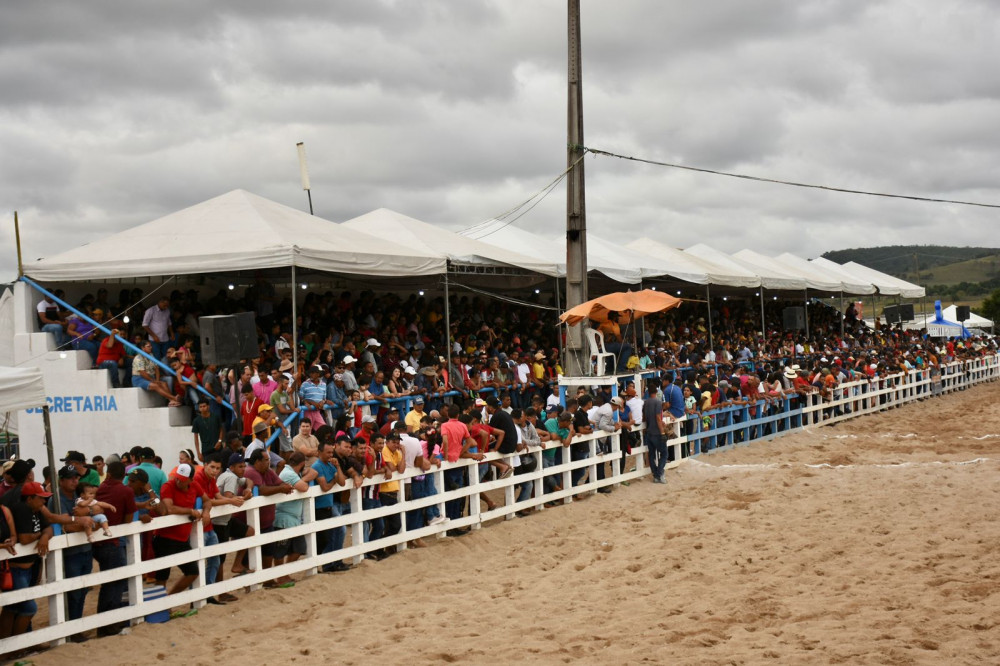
x=456, y=444
x=289, y=515
x=233, y=485
x=656, y=432
x=328, y=475
x=110, y=553
x=32, y=528
x=178, y=496
x=267, y=483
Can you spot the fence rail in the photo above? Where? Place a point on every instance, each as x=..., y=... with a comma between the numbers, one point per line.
x=731, y=425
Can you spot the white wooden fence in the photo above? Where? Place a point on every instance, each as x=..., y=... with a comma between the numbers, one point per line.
x=850, y=400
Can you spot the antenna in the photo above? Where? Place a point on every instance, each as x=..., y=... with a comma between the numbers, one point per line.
x=304, y=172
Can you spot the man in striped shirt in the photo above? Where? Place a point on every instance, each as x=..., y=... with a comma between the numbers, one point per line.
x=313, y=394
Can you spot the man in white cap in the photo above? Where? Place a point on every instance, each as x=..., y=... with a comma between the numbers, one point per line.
x=350, y=381
x=179, y=496
x=371, y=355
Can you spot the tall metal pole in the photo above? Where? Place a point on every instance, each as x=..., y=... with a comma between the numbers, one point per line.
x=53, y=470
x=20, y=263
x=807, y=316
x=576, y=210
x=841, y=314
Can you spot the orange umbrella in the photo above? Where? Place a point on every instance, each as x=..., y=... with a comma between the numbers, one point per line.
x=639, y=303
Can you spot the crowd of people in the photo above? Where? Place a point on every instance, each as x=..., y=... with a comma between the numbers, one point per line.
x=379, y=398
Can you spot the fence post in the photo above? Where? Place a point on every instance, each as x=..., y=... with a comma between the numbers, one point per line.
x=133, y=556
x=357, y=527
x=54, y=572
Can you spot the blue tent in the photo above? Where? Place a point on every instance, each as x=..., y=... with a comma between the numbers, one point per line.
x=940, y=327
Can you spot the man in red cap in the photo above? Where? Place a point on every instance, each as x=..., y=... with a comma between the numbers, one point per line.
x=31, y=526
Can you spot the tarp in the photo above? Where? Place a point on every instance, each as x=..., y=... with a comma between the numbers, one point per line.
x=639, y=303
x=237, y=231
x=693, y=268
x=20, y=388
x=888, y=285
x=847, y=284
x=771, y=276
x=648, y=265
x=507, y=236
x=459, y=249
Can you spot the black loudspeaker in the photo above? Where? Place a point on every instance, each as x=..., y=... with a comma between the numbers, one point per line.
x=962, y=313
x=219, y=340
x=794, y=319
x=906, y=312
x=891, y=314
x=246, y=333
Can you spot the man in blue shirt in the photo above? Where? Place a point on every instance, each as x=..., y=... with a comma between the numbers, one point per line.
x=673, y=402
x=328, y=475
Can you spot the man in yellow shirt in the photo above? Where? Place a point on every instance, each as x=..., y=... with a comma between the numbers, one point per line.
x=388, y=493
x=614, y=343
x=413, y=417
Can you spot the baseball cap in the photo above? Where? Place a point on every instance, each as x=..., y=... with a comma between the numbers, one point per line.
x=68, y=472
x=409, y=370
x=480, y=402
x=33, y=488
x=185, y=470
x=236, y=459
x=372, y=342
x=139, y=475
x=553, y=408
x=617, y=401
x=349, y=359
x=75, y=456
x=263, y=408
x=492, y=402
x=418, y=401
x=368, y=418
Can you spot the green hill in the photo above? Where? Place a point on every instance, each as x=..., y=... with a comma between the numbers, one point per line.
x=902, y=260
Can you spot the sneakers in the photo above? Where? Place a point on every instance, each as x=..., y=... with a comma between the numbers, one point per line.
x=438, y=520
x=658, y=479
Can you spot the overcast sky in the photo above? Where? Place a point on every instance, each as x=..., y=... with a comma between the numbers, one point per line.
x=452, y=111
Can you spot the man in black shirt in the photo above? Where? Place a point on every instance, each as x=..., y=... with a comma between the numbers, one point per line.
x=31, y=526
x=581, y=426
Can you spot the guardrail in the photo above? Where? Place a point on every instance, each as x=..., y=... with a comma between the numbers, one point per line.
x=732, y=425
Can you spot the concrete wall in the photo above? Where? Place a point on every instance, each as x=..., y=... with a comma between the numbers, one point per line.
x=88, y=415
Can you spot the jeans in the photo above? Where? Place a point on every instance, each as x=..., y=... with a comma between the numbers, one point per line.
x=622, y=352
x=23, y=578
x=581, y=454
x=112, y=368
x=60, y=335
x=160, y=349
x=524, y=491
x=211, y=563
x=338, y=533
x=110, y=557
x=392, y=522
x=373, y=528
x=77, y=564
x=657, y=453
x=88, y=346
x=453, y=479
x=419, y=489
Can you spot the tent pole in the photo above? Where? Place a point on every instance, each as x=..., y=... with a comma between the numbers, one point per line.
x=708, y=301
x=559, y=336
x=841, y=315
x=923, y=306
x=807, y=315
x=447, y=326
x=763, y=327
x=53, y=470
x=874, y=311
x=295, y=328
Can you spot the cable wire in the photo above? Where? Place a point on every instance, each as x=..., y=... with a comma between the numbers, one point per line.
x=828, y=188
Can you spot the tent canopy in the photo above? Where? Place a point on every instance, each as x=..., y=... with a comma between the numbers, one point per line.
x=21, y=388
x=771, y=275
x=846, y=276
x=974, y=321
x=233, y=232
x=692, y=268
x=888, y=285
x=429, y=238
x=821, y=274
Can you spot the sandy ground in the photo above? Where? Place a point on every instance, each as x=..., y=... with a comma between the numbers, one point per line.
x=874, y=541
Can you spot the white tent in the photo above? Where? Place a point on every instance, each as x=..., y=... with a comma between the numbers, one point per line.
x=507, y=236
x=429, y=238
x=232, y=232
x=844, y=283
x=888, y=285
x=692, y=268
x=771, y=276
x=20, y=388
x=845, y=274
x=974, y=321
x=649, y=266
x=815, y=280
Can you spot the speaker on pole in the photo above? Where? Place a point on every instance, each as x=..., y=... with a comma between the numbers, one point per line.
x=962, y=313
x=219, y=340
x=794, y=319
x=246, y=332
x=906, y=312
x=891, y=314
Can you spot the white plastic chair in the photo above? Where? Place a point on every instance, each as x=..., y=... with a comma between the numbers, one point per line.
x=595, y=339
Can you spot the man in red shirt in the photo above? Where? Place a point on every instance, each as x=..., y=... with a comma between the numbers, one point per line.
x=110, y=355
x=456, y=443
x=110, y=553
x=204, y=481
x=179, y=496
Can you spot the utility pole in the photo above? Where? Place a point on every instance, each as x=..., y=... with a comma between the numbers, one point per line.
x=577, y=357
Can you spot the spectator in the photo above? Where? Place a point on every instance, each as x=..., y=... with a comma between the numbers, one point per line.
x=51, y=320
x=110, y=553
x=111, y=356
x=154, y=474
x=289, y=514
x=456, y=443
x=31, y=526
x=77, y=560
x=306, y=443
x=86, y=473
x=232, y=485
x=208, y=431
x=179, y=496
x=267, y=483
x=157, y=324
x=146, y=376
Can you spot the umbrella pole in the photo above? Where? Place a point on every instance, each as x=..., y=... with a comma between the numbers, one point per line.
x=53, y=470
x=708, y=301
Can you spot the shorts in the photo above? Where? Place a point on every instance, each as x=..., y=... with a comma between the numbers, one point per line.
x=138, y=381
x=163, y=547
x=267, y=550
x=287, y=546
x=234, y=529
